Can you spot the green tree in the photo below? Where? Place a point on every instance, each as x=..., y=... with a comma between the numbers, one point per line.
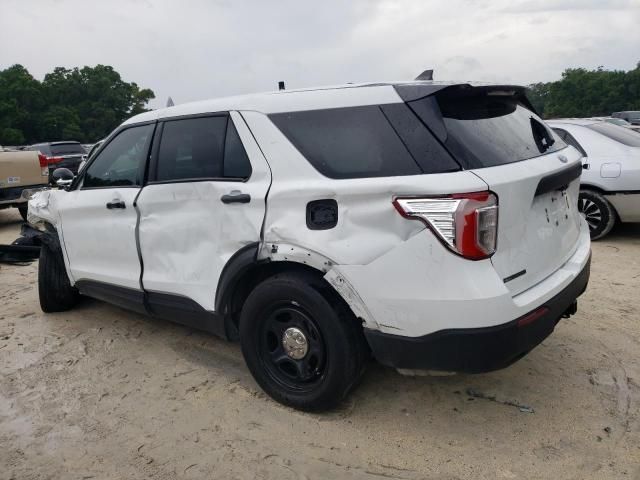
x=69, y=104
x=20, y=98
x=588, y=93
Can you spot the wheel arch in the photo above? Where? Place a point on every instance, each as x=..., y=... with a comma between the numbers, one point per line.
x=594, y=188
x=251, y=265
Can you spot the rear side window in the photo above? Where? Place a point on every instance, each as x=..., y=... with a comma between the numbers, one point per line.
x=485, y=129
x=201, y=148
x=616, y=133
x=351, y=142
x=67, y=149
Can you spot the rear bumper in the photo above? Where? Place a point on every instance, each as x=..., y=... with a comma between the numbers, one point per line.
x=476, y=350
x=10, y=197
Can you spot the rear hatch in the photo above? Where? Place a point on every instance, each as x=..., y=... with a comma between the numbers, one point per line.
x=495, y=133
x=67, y=155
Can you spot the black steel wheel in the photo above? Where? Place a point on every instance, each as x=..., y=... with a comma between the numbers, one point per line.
x=597, y=212
x=292, y=348
x=302, y=344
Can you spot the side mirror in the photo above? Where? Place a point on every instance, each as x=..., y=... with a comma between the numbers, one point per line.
x=62, y=177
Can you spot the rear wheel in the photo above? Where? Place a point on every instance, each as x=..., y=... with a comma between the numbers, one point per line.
x=598, y=213
x=23, y=212
x=303, y=346
x=54, y=289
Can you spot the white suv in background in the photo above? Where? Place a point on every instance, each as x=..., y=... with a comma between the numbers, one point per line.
x=434, y=225
x=610, y=189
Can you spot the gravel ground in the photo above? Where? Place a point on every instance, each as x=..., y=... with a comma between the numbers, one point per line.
x=102, y=393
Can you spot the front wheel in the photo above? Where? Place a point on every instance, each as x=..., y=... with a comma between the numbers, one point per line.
x=303, y=346
x=598, y=213
x=54, y=289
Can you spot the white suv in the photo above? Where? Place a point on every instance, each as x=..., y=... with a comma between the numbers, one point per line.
x=434, y=225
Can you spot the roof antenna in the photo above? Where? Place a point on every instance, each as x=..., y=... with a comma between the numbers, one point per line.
x=426, y=75
x=280, y=85
x=170, y=102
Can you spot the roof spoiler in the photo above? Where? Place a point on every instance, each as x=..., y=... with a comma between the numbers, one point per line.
x=410, y=92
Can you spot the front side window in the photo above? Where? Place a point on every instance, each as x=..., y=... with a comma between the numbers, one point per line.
x=121, y=162
x=201, y=148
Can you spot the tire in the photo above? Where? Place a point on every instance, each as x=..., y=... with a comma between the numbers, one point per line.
x=598, y=212
x=335, y=351
x=54, y=289
x=23, y=212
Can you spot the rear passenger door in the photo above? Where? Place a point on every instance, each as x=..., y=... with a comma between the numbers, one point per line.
x=204, y=200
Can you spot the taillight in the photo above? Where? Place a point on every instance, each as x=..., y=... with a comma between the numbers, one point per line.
x=467, y=223
x=44, y=165
x=54, y=160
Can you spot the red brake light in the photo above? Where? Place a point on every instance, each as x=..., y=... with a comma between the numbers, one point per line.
x=44, y=165
x=467, y=223
x=54, y=160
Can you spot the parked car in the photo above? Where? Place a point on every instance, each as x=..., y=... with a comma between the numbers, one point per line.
x=61, y=154
x=433, y=224
x=620, y=122
x=632, y=117
x=20, y=173
x=94, y=148
x=610, y=189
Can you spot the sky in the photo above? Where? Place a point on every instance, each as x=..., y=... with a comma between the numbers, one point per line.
x=198, y=49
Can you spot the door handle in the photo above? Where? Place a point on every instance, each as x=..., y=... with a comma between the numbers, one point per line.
x=236, y=196
x=115, y=204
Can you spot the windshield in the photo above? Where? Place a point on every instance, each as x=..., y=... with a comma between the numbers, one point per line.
x=619, y=134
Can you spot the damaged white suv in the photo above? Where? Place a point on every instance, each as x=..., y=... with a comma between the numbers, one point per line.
x=434, y=225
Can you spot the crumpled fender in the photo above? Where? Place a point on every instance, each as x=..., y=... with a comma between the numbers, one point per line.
x=287, y=252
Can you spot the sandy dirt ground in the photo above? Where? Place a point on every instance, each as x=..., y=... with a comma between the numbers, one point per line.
x=102, y=393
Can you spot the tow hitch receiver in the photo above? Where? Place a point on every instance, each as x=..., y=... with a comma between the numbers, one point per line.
x=571, y=310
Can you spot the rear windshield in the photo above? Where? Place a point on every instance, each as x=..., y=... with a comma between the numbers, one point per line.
x=367, y=141
x=619, y=134
x=485, y=129
x=67, y=149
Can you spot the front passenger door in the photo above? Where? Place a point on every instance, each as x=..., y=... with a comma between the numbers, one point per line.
x=99, y=217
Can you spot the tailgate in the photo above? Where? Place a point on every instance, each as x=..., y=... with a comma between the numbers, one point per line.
x=539, y=222
x=20, y=169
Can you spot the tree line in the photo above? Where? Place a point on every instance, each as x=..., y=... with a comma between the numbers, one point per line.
x=587, y=93
x=82, y=104
x=85, y=104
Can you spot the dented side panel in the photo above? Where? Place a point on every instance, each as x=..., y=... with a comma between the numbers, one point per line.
x=368, y=224
x=187, y=235
x=368, y=228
